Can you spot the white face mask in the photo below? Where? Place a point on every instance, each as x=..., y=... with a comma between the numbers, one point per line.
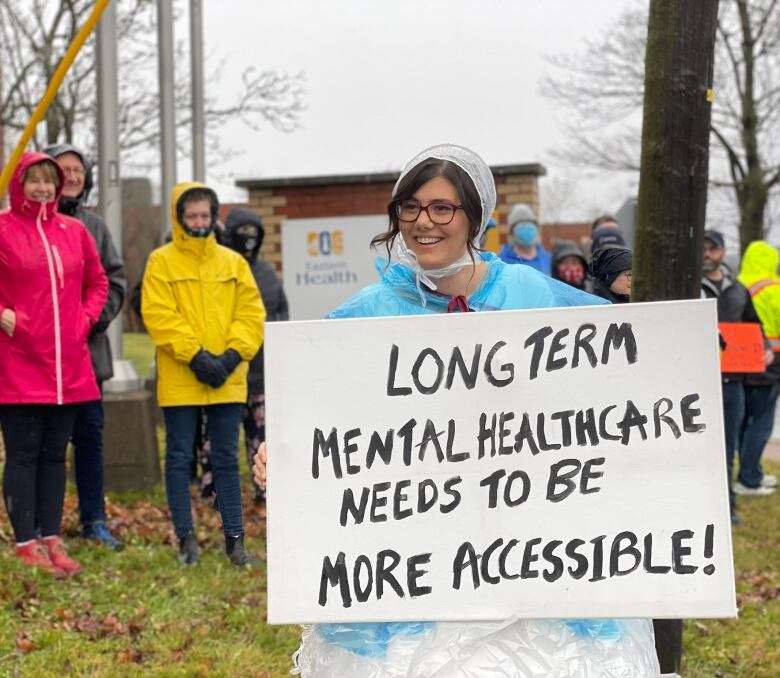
x=426, y=276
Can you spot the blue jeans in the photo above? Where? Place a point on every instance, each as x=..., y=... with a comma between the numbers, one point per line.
x=756, y=430
x=222, y=429
x=88, y=461
x=733, y=415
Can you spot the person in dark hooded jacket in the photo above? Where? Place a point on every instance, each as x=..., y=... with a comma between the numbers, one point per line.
x=88, y=427
x=244, y=233
x=570, y=265
x=611, y=271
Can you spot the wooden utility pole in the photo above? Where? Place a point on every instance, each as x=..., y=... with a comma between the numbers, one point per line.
x=673, y=180
x=675, y=149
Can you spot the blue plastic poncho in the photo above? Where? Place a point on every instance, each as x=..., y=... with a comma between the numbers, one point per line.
x=599, y=648
x=503, y=288
x=514, y=648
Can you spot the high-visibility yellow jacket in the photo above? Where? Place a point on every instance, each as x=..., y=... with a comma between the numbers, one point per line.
x=759, y=274
x=197, y=294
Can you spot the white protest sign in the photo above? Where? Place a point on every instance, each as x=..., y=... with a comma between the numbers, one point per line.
x=541, y=463
x=325, y=261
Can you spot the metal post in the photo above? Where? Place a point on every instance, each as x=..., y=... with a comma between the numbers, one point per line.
x=167, y=112
x=2, y=144
x=196, y=70
x=110, y=195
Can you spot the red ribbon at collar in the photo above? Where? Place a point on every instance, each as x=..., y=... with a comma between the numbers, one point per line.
x=458, y=304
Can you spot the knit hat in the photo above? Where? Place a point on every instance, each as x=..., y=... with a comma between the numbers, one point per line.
x=606, y=236
x=609, y=262
x=521, y=212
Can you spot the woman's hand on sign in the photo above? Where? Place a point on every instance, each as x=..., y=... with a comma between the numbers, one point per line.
x=259, y=466
x=769, y=357
x=8, y=321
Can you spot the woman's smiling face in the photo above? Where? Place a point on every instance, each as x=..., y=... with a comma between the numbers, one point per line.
x=38, y=185
x=436, y=245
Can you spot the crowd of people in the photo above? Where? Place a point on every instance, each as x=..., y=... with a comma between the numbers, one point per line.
x=606, y=273
x=749, y=399
x=751, y=296
x=204, y=299
x=62, y=282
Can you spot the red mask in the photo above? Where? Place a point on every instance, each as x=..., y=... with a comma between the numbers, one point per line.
x=573, y=275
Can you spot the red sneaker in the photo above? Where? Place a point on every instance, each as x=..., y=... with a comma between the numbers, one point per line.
x=59, y=557
x=35, y=554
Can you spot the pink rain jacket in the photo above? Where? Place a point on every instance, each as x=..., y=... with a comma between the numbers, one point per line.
x=51, y=277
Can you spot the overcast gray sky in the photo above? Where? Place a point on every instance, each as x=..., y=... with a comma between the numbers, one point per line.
x=386, y=78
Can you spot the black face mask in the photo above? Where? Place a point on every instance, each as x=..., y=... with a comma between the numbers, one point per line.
x=247, y=243
x=198, y=232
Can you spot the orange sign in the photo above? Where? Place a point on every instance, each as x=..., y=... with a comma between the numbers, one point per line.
x=744, y=351
x=324, y=243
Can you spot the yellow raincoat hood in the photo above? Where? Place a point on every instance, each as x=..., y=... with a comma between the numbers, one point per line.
x=184, y=241
x=759, y=274
x=759, y=263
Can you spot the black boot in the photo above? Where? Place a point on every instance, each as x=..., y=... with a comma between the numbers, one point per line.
x=234, y=547
x=188, y=550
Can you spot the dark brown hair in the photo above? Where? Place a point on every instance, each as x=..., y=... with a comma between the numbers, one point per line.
x=422, y=174
x=198, y=194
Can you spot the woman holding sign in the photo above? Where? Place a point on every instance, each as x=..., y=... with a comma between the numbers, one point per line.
x=439, y=209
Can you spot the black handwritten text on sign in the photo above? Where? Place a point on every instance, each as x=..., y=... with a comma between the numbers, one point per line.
x=477, y=466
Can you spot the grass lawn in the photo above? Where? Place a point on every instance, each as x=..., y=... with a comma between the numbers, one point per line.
x=139, y=349
x=139, y=613
x=748, y=646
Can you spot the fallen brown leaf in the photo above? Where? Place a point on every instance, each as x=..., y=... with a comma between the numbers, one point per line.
x=24, y=642
x=130, y=656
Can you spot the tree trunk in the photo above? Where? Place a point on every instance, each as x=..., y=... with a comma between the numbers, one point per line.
x=53, y=124
x=753, y=189
x=673, y=180
x=752, y=207
x=675, y=150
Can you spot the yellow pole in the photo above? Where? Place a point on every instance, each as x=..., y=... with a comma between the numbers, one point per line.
x=51, y=91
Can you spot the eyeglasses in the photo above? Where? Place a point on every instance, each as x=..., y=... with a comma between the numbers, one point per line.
x=441, y=213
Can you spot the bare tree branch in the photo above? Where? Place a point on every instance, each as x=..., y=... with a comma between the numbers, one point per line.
x=34, y=37
x=603, y=84
x=737, y=170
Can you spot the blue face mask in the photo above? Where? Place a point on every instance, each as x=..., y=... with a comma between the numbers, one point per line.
x=526, y=233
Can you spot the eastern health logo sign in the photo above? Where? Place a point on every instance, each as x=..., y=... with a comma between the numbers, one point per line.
x=559, y=463
x=326, y=261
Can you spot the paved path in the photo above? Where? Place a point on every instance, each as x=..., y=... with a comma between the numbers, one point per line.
x=772, y=450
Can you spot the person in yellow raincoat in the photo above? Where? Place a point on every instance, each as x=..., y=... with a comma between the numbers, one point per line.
x=759, y=274
x=202, y=309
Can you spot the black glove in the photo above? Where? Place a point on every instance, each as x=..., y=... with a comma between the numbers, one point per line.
x=230, y=360
x=208, y=369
